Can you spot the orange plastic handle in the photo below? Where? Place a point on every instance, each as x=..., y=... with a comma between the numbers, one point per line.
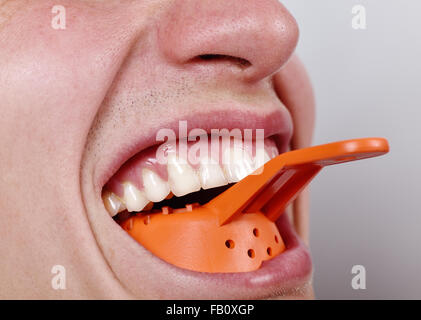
x=286, y=175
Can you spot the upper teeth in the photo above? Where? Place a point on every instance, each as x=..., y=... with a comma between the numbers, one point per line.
x=156, y=189
x=181, y=176
x=237, y=164
x=135, y=199
x=211, y=174
x=184, y=179
x=112, y=203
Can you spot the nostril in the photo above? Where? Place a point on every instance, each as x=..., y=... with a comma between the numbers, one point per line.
x=257, y=37
x=242, y=63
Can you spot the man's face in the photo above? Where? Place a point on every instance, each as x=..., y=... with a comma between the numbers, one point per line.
x=78, y=103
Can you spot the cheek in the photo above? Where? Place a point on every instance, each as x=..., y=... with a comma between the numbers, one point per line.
x=53, y=81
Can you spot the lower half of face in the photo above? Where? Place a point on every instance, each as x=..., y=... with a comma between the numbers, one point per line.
x=110, y=168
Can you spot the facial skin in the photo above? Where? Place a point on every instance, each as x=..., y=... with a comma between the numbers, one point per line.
x=73, y=101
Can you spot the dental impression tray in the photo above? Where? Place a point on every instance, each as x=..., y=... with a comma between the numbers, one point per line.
x=236, y=231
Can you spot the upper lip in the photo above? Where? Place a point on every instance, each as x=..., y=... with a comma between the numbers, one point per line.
x=276, y=124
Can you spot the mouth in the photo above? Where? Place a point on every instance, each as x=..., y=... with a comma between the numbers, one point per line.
x=142, y=183
x=145, y=184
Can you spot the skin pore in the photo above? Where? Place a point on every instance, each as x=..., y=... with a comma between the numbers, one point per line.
x=72, y=99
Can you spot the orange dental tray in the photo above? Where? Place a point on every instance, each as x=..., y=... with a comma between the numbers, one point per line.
x=236, y=231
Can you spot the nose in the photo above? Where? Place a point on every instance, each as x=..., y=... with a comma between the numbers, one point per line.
x=258, y=36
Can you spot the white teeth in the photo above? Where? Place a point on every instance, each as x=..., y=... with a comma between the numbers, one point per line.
x=211, y=174
x=156, y=189
x=112, y=203
x=134, y=198
x=181, y=177
x=237, y=164
x=261, y=158
x=274, y=152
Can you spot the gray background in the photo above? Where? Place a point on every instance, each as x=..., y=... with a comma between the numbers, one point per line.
x=367, y=83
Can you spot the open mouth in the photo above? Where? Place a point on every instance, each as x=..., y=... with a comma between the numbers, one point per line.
x=144, y=184
x=151, y=184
